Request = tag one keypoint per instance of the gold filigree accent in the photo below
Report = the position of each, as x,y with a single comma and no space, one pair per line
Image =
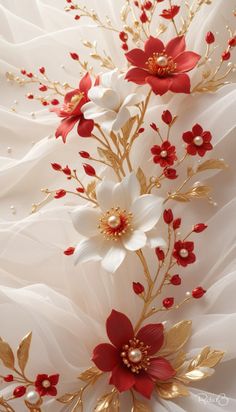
109,402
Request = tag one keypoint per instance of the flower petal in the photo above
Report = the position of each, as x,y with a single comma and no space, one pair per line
135,241
65,127
180,83
125,192
104,195
85,220
88,249
153,336
53,379
105,357
122,117
137,57
153,45
186,61
188,137
146,211
119,329
85,83
144,385
122,378
137,76
176,46
52,391
85,127
113,257
154,239
197,130
158,85
161,369
102,97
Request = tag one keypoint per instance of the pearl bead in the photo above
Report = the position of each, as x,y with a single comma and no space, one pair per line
164,153
113,221
46,384
198,140
188,294
162,61
9,149
183,253
32,397
135,355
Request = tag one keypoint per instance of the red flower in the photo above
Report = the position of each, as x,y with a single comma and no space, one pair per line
198,141
71,111
165,154
170,173
163,68
170,13
130,358
46,385
183,253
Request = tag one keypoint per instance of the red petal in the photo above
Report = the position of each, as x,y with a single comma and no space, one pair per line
159,86
85,84
155,150
191,149
201,151
176,46
52,391
152,335
105,357
119,329
85,127
161,369
153,45
207,146
188,137
53,379
186,61
40,378
165,145
206,136
144,385
122,378
137,57
65,127
188,245
197,130
180,84
137,76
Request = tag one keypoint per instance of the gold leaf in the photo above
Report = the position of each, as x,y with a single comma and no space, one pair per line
140,407
6,355
178,362
67,397
199,358
212,164
78,406
179,197
23,351
213,358
190,172
90,375
172,390
198,374
177,336
108,403
91,189
142,180
126,129
199,192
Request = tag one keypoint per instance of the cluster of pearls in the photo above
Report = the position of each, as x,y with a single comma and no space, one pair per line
135,355
115,223
160,64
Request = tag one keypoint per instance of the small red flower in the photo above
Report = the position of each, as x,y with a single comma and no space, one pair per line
66,170
89,170
168,302
198,292
175,280
71,111
170,173
138,288
154,127
210,38
131,357
165,154
46,385
167,117
176,223
56,166
198,141
199,227
169,14
162,67
183,253
160,254
168,216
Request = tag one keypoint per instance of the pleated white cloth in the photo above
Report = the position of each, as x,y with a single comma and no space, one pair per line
41,291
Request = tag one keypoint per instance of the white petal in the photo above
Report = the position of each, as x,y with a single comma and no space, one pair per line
86,220
104,195
136,240
87,250
106,98
114,257
133,99
154,239
125,192
109,79
122,117
92,111
146,211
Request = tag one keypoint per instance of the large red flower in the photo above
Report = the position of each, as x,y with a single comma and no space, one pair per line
183,253
163,68
198,141
71,111
130,358
165,154
46,385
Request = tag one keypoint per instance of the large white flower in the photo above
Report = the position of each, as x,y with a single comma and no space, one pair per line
125,221
113,102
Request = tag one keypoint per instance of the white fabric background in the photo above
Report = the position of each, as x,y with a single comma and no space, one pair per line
66,306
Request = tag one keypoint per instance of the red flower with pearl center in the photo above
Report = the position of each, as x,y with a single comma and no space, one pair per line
130,356
165,154
46,385
162,67
183,253
198,141
71,111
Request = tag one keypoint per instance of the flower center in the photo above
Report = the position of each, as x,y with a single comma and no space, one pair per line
160,64
135,355
164,153
183,253
115,223
46,384
198,140
75,100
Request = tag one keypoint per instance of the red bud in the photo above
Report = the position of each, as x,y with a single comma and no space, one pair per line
232,42
138,288
69,251
56,166
176,223
200,227
89,170
170,173
77,17
160,254
167,117
175,280
148,5
74,56
8,378
42,70
55,102
125,46
19,391
168,302
168,216
198,292
144,17
43,88
154,127
60,193
30,96
141,130
67,171
85,155
23,71
80,189
123,36
210,38
226,55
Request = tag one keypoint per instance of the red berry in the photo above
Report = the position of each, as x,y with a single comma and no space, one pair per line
138,288
125,46
56,166
60,193
85,155
55,102
154,127
77,17
80,189
199,227
43,88
30,96
167,117
160,254
89,170
144,17
30,75
198,292
168,302
210,38
123,36
19,391
232,42
170,173
148,5
8,378
23,72
67,171
74,56
42,70
141,130
72,7
45,103
226,55
175,280
69,251
168,216
176,223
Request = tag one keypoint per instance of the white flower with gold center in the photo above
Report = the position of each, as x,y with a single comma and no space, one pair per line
124,221
113,102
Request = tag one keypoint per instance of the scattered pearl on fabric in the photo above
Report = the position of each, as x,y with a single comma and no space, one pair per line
32,397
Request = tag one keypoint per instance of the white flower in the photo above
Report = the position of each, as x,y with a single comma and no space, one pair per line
112,102
124,221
